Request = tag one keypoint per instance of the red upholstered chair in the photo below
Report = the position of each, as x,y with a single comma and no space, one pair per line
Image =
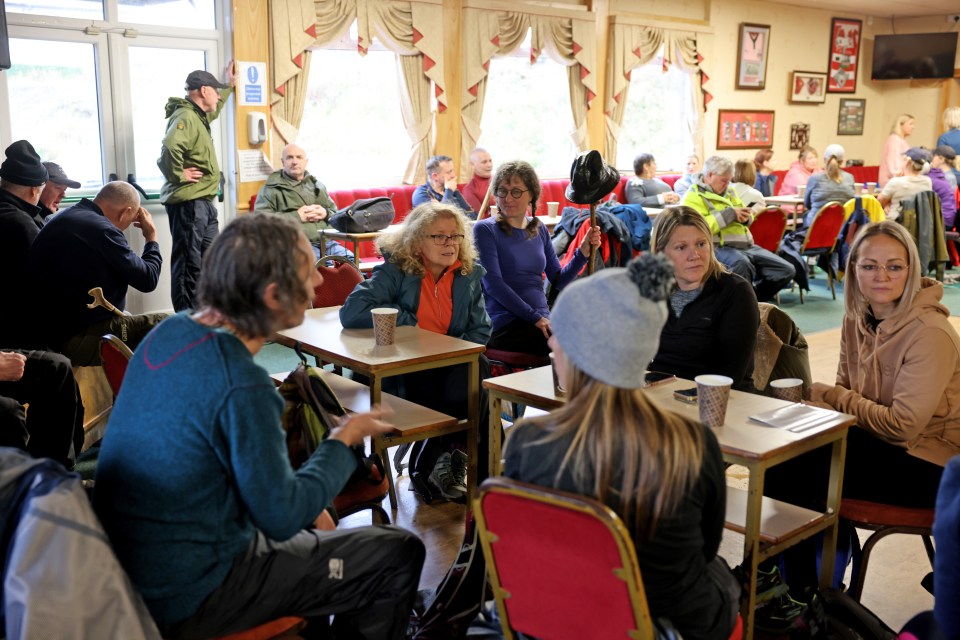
115,356
338,281
360,495
542,546
884,520
768,228
273,630
822,238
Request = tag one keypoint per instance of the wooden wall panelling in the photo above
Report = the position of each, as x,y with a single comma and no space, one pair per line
251,43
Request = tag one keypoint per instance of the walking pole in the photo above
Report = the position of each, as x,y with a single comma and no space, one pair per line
484,211
593,248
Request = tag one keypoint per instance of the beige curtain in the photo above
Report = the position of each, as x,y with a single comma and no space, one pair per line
487,33
634,45
412,30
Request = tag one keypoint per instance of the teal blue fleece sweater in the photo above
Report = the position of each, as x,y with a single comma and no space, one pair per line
194,461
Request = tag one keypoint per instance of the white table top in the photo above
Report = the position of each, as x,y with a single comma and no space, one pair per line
321,333
791,200
739,436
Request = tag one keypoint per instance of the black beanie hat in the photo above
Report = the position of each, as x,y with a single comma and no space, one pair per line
23,165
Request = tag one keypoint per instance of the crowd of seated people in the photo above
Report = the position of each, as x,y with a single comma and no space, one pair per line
238,519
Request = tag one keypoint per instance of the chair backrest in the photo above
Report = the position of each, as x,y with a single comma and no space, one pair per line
338,281
115,356
825,229
542,546
768,228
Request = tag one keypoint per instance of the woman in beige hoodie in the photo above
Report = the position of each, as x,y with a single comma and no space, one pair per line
899,373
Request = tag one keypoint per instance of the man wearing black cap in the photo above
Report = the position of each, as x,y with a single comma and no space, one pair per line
41,379
191,174
22,177
56,187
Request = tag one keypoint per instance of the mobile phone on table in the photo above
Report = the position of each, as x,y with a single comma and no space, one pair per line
686,395
652,378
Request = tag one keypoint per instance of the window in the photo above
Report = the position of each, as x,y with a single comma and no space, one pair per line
655,119
352,128
56,106
58,8
526,113
195,14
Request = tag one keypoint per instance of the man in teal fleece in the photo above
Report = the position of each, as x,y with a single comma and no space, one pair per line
193,483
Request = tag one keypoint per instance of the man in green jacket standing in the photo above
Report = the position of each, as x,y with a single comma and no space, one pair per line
729,221
191,174
295,193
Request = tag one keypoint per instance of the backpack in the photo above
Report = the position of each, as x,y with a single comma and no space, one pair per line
364,216
312,410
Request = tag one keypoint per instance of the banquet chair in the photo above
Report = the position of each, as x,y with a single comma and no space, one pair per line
339,281
821,239
505,362
768,228
115,356
883,520
533,541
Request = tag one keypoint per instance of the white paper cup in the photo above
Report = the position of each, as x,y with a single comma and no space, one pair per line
801,189
384,325
494,210
552,209
790,389
558,389
713,392
858,188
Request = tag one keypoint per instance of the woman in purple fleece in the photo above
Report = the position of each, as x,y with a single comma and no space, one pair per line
516,252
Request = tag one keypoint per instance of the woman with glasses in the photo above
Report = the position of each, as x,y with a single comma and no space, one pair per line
516,251
899,374
431,276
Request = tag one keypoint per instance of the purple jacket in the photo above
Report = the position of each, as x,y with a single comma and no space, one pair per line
948,198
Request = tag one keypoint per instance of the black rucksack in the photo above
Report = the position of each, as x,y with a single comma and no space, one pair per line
364,216
312,410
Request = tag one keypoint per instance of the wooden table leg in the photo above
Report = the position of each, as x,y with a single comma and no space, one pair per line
379,445
495,427
473,429
834,490
751,548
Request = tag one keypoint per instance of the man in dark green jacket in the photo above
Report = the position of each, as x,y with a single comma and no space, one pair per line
191,174
295,193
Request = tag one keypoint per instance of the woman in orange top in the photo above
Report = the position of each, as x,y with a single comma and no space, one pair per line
430,275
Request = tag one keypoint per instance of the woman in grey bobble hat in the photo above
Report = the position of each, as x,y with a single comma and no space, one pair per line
661,473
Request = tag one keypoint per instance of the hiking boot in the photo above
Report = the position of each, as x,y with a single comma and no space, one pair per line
458,463
443,478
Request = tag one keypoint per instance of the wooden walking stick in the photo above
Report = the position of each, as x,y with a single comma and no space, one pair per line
100,301
484,211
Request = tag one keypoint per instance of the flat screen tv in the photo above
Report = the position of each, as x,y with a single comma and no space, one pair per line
914,55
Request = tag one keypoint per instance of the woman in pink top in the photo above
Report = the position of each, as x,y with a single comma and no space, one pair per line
800,171
892,158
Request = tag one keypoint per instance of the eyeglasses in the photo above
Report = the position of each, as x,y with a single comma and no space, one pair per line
892,270
515,193
441,239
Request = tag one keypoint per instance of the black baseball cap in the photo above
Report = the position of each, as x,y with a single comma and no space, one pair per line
945,151
58,175
201,78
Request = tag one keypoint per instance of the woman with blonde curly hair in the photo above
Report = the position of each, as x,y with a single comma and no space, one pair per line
431,276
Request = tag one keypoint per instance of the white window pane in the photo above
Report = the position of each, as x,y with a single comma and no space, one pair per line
86,9
526,114
195,14
156,75
352,129
53,89
655,118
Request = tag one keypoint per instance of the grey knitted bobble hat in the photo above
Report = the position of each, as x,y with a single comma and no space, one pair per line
609,324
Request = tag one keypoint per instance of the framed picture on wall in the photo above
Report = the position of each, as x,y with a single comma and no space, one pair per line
752,56
799,135
808,87
738,129
844,55
850,119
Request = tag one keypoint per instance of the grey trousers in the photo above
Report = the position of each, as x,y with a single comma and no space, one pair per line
366,578
83,349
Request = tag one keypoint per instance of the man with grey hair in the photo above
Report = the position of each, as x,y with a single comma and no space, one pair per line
476,190
729,221
209,519
441,186
84,247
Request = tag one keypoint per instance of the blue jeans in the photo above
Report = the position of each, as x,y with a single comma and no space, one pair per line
766,271
332,248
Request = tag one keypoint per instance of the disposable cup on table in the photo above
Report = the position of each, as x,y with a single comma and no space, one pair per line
801,189
552,209
384,325
713,393
558,389
858,188
494,210
790,389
